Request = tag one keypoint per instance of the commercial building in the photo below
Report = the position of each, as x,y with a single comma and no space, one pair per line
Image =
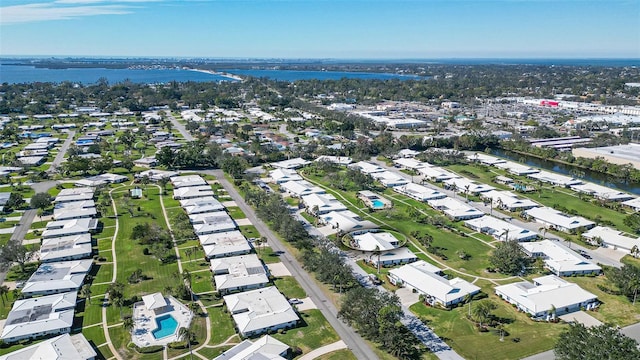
500,229
559,259
426,280
619,154
258,311
557,220
547,296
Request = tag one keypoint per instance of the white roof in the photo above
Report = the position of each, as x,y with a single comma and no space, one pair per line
265,348
68,227
66,247
509,199
192,192
500,229
454,208
517,169
260,309
215,217
612,237
57,277
291,163
559,258
301,188
156,175
63,347
553,178
422,276
370,241
411,163
154,301
72,205
486,159
437,173
634,203
238,271
557,218
552,291
229,242
408,152
205,200
74,194
341,160
347,221
324,202
74,213
199,207
284,175
602,192
388,178
396,255
38,315
473,187
420,192
187,181
366,167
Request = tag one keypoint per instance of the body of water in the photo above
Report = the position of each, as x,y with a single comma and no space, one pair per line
590,176
15,74
293,75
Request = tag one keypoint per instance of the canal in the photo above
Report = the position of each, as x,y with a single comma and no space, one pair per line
585,174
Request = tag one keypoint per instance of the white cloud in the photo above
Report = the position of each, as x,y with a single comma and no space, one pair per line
61,10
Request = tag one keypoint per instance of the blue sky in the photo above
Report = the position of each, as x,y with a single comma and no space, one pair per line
322,28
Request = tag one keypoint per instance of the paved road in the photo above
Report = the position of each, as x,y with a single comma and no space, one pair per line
422,332
532,226
185,134
63,150
354,342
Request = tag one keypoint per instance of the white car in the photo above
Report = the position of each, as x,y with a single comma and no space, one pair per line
295,301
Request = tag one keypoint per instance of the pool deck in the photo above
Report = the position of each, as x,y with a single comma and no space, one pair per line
145,322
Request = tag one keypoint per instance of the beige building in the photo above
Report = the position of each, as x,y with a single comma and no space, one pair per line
620,154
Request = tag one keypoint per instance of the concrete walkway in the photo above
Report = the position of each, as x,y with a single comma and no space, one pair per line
338,345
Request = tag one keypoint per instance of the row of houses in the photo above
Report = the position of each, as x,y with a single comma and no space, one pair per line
239,275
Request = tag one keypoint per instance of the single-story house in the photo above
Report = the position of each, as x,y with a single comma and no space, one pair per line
65,346
366,167
319,204
300,188
372,241
280,176
516,168
66,248
238,273
633,203
389,179
258,311
559,259
394,257
466,186
60,228
347,221
500,229
419,192
426,280
554,179
291,163
436,174
485,159
410,163
547,296
57,277
223,244
612,238
266,348
192,192
37,317
188,181
210,223
340,160
558,220
509,201
455,209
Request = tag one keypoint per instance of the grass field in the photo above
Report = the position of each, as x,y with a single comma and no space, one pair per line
314,332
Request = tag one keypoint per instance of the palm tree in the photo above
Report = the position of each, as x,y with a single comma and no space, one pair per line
194,307
189,252
4,290
127,323
185,334
85,292
186,277
467,299
543,230
377,252
119,302
635,251
552,311
482,310
466,192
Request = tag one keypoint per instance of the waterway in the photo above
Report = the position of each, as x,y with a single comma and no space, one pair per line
589,175
294,75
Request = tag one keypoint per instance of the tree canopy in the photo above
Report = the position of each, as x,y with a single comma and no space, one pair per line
41,200
508,258
595,343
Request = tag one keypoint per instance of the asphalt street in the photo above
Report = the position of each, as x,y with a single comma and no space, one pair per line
353,340
63,150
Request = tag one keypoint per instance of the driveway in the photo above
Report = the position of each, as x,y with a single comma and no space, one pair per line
407,296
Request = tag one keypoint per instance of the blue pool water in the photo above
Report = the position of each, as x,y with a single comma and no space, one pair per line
377,204
166,326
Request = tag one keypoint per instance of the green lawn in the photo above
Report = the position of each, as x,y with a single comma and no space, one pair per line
466,340
222,324
343,354
236,213
249,231
290,287
267,254
615,309
314,332
211,353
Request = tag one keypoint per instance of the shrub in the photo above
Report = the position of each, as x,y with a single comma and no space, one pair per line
149,349
178,345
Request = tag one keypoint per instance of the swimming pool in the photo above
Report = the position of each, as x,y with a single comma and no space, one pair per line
166,326
377,204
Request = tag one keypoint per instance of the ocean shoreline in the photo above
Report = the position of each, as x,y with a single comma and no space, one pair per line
223,74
